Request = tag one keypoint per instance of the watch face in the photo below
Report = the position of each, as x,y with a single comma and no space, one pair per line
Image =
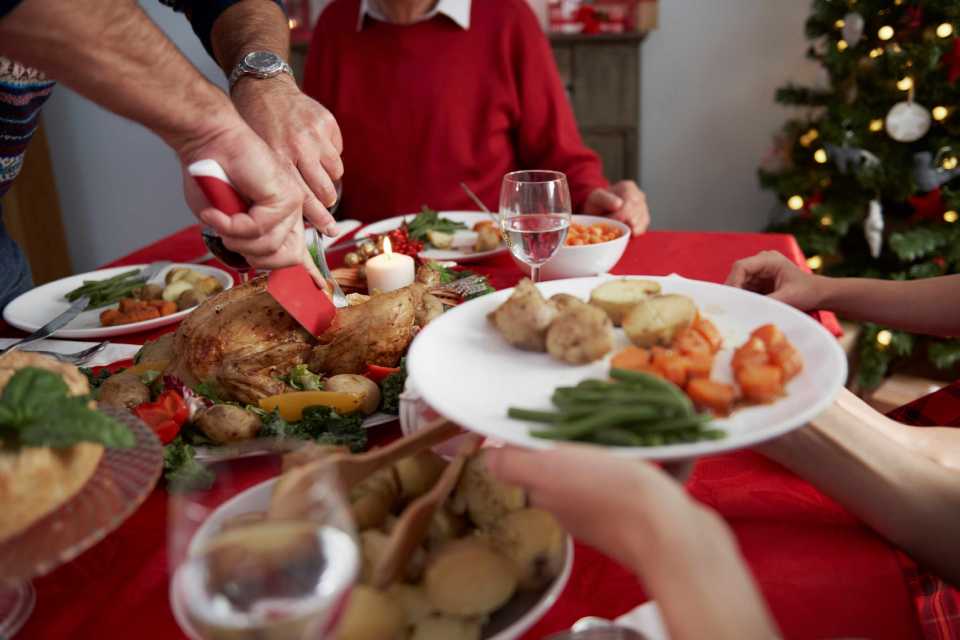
263,62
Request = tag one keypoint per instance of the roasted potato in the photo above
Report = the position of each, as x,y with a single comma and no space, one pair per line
581,333
488,239
533,541
482,497
618,297
177,273
225,423
149,292
524,318
190,298
207,285
468,578
123,391
159,350
446,628
372,615
374,499
362,386
656,320
413,600
418,473
440,239
176,289
429,310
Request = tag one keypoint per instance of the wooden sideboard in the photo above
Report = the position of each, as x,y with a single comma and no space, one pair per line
602,76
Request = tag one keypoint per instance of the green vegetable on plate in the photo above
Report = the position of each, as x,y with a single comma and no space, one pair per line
429,220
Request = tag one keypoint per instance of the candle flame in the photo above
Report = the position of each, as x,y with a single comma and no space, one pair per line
387,248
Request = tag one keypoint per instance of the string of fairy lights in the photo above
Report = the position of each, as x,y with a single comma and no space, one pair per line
939,113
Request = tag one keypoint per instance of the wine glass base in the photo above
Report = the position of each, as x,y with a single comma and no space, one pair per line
16,605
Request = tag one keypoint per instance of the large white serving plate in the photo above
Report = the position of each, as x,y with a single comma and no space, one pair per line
507,623
39,306
468,218
469,374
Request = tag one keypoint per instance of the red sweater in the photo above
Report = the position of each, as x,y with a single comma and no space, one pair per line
423,107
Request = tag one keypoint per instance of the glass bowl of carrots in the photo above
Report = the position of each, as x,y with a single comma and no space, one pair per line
593,246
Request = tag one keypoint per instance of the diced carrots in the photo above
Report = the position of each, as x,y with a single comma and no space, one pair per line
788,359
718,397
578,234
673,365
632,358
134,310
752,353
691,342
130,304
709,331
770,335
109,317
761,383
699,365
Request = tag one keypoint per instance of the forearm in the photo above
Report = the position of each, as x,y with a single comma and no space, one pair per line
250,25
113,54
930,306
852,456
690,563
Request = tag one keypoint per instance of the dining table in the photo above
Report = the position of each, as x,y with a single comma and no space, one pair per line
822,572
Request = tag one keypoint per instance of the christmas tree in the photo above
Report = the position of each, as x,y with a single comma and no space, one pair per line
868,174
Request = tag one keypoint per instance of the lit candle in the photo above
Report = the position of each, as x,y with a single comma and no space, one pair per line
389,271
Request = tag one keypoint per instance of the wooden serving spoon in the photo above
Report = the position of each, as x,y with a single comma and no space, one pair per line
290,496
413,524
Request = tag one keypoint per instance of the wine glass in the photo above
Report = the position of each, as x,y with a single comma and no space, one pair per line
277,559
231,259
534,215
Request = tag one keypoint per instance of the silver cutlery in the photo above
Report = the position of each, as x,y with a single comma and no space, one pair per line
339,299
477,201
468,286
593,628
78,357
201,259
75,308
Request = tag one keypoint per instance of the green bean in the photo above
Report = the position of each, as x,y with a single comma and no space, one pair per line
617,437
651,380
616,416
532,415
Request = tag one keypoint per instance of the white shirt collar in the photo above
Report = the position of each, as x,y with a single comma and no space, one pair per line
456,10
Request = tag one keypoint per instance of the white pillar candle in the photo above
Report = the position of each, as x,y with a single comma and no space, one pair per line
389,271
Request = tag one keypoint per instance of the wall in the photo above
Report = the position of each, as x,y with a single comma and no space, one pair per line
709,73
708,77
120,186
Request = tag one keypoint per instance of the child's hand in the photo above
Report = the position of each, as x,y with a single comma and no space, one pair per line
772,274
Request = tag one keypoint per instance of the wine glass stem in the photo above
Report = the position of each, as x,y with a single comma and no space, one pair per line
535,273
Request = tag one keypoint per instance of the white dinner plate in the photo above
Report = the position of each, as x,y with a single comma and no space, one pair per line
509,622
468,218
42,304
468,373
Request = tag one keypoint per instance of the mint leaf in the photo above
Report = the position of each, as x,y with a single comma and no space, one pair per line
69,421
31,390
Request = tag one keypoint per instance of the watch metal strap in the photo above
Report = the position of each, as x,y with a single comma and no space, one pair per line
242,70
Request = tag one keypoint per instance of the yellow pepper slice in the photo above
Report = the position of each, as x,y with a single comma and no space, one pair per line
292,404
143,367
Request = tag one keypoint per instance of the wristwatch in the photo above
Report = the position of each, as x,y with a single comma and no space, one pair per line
260,64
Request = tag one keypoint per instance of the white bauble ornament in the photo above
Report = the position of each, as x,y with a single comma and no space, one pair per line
852,28
908,121
873,228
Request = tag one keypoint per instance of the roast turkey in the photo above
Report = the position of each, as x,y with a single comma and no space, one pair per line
242,343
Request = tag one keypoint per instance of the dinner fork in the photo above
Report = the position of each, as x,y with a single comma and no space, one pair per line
468,286
339,299
78,357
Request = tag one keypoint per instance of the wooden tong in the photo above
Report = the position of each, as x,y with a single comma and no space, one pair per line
291,495
413,524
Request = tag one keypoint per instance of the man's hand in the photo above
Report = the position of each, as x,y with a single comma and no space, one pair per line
270,235
302,131
624,202
772,274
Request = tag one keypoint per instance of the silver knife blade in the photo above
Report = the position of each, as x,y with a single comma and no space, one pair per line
153,269
47,330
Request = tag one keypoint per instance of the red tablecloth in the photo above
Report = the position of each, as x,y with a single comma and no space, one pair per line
822,573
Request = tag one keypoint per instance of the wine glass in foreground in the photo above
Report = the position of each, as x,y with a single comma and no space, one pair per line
534,215
276,560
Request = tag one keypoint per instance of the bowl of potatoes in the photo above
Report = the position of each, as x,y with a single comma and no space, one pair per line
593,258
489,567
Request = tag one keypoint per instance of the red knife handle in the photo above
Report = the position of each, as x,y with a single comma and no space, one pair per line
213,181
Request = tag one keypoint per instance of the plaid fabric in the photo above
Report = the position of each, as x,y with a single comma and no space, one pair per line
937,603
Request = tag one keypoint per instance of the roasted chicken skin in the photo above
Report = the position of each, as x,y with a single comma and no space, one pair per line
243,343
